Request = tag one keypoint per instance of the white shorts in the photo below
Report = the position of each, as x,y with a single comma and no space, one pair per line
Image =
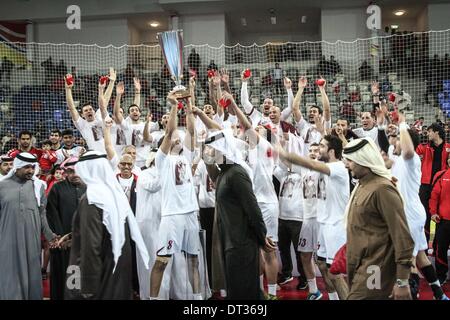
270,213
331,238
418,235
179,232
308,236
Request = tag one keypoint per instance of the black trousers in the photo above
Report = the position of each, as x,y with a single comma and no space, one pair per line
289,232
442,243
207,223
59,261
425,195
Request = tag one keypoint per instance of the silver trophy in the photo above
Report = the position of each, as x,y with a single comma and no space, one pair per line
171,43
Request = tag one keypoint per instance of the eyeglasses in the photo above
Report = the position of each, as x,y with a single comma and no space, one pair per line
126,164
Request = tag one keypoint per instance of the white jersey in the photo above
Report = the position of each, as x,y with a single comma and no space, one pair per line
126,185
118,137
313,201
408,172
206,188
335,190
309,133
372,133
63,153
135,136
92,132
177,184
291,198
262,163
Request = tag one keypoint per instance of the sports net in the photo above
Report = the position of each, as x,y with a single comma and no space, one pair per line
32,76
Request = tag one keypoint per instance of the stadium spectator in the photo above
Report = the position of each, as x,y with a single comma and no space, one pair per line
212,66
6,164
6,69
365,71
440,214
277,76
55,139
434,157
194,62
347,111
48,158
334,66
25,145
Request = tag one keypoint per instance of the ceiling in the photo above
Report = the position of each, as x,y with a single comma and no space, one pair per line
142,21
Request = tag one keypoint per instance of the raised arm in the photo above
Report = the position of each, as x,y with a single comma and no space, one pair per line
112,80
110,151
209,124
225,80
101,101
171,124
302,161
70,103
248,107
189,140
212,94
285,114
302,82
120,90
192,89
406,142
137,92
218,94
325,101
147,135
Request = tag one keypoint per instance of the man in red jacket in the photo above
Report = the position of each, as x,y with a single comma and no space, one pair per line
440,213
25,145
434,158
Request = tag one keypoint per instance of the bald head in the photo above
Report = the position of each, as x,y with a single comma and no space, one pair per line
275,114
126,164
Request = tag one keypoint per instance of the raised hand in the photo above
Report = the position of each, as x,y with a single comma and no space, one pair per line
243,78
149,117
302,82
287,83
224,76
108,122
120,88
192,82
68,81
112,74
137,84
375,87
172,98
216,79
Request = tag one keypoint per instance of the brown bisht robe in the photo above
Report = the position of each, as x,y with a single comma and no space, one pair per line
91,258
377,237
241,230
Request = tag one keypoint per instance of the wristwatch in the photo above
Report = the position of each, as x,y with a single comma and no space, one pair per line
401,283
